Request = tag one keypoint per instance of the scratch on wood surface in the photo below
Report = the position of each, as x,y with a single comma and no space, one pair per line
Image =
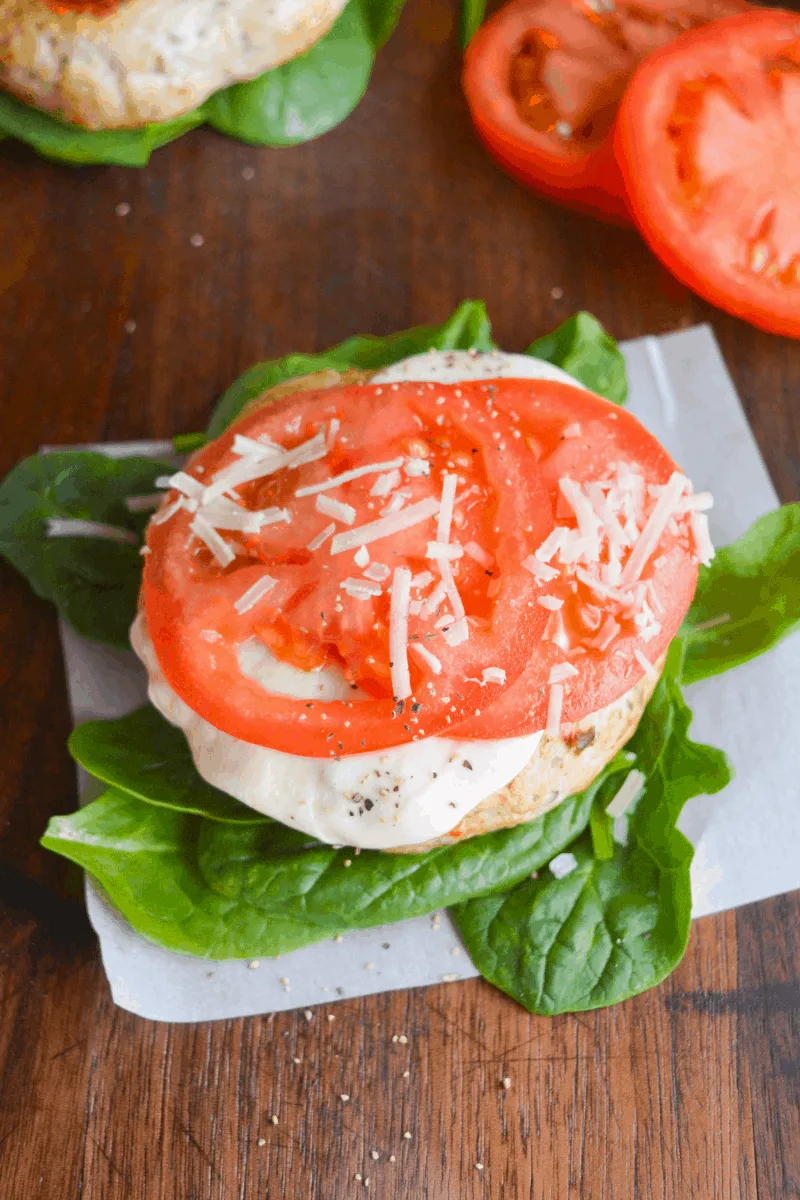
122,1174
194,1142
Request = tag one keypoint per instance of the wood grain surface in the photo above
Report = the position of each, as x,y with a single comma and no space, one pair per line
120,327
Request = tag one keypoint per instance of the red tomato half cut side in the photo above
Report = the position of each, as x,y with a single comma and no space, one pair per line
323,608
605,452
709,143
543,80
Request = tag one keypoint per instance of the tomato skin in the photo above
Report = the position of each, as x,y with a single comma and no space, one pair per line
609,433
574,59
591,183
685,240
190,602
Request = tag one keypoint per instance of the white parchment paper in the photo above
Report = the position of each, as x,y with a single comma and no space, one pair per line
747,837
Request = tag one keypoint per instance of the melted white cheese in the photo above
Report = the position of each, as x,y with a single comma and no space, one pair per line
397,797
388,798
460,366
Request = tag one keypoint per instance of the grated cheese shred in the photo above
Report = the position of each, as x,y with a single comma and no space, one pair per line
398,633
336,509
347,477
374,531
257,592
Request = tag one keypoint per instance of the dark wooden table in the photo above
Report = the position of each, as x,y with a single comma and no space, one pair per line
690,1091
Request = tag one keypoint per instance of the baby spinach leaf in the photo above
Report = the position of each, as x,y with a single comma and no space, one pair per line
755,584
467,329
56,140
617,925
582,347
145,756
471,15
93,581
187,443
231,890
381,17
305,97
606,931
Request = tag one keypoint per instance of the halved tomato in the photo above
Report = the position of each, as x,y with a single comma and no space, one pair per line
323,601
581,438
543,80
709,144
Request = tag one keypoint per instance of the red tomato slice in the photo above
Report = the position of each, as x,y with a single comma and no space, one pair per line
579,436
543,80
709,144
89,8
309,619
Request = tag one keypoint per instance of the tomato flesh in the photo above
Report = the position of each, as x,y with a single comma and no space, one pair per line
544,79
309,619
709,143
599,435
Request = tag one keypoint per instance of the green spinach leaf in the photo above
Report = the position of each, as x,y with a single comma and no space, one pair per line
755,584
471,15
467,329
303,98
231,890
72,144
381,17
614,926
93,581
146,757
582,347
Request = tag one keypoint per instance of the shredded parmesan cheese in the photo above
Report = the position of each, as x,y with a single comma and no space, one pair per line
555,704
645,664
494,675
449,485
334,508
459,631
222,551
255,593
550,602
551,544
347,477
479,555
561,672
657,522
361,588
164,514
398,633
321,537
143,503
190,487
608,631
379,572
361,557
447,550
702,539
417,466
539,570
624,798
58,527
415,514
425,655
385,484
258,466
563,864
